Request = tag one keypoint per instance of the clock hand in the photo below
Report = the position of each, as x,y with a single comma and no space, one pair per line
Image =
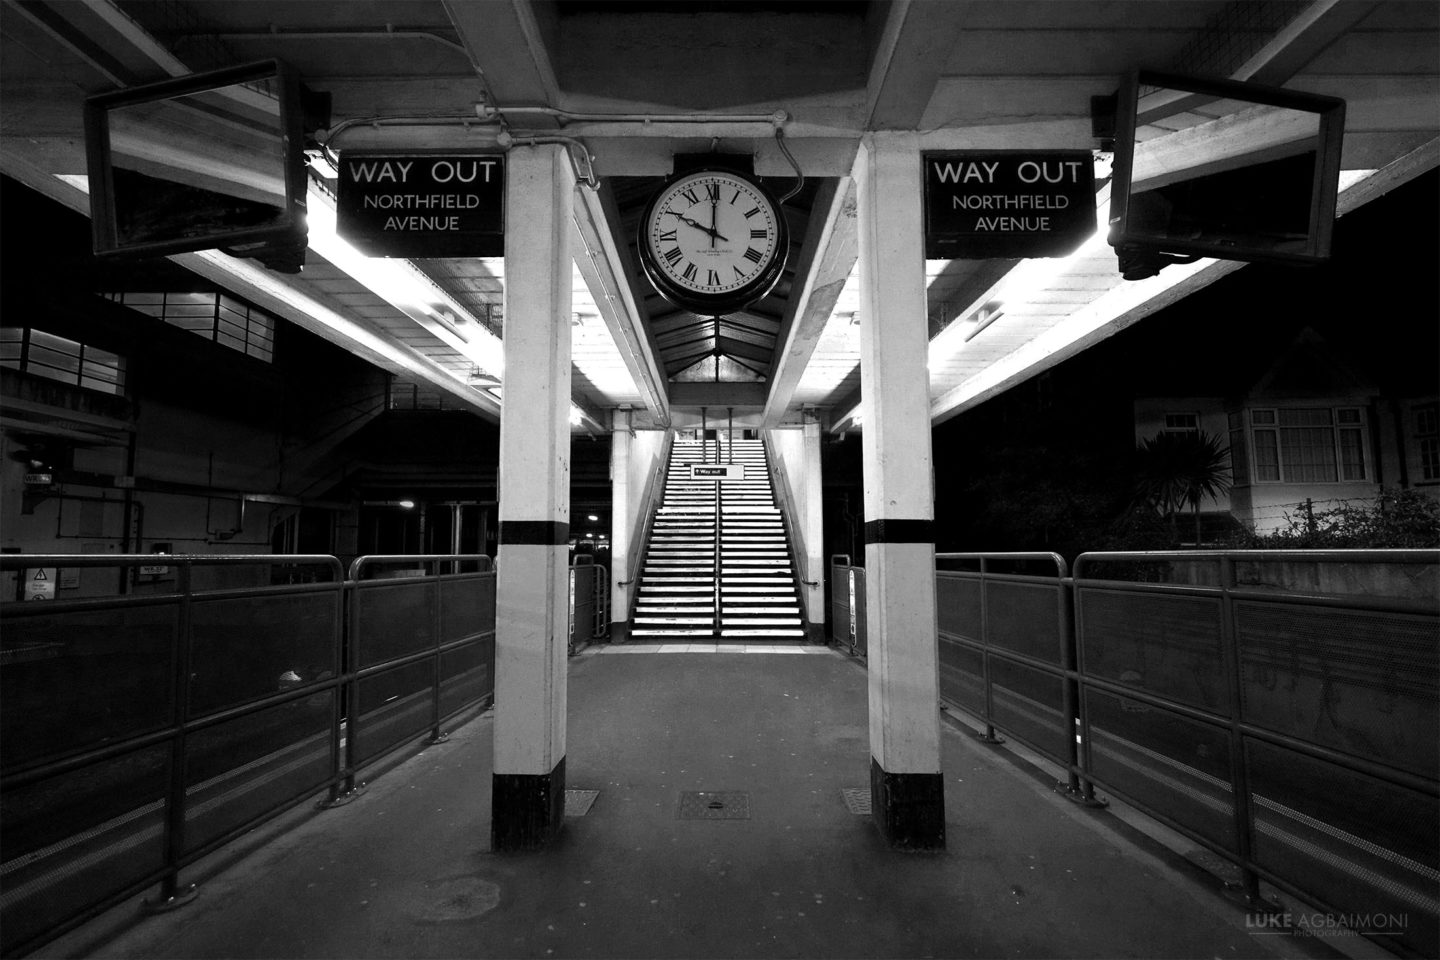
698,226
714,216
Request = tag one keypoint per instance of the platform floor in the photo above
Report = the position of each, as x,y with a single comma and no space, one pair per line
406,870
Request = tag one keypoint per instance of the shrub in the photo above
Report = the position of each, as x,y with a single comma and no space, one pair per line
1395,519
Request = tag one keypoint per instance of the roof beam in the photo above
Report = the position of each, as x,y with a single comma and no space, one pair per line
600,263
915,41
506,47
833,246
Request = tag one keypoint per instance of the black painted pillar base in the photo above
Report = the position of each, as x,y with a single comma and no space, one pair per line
909,808
526,810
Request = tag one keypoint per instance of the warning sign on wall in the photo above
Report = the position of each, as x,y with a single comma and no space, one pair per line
40,583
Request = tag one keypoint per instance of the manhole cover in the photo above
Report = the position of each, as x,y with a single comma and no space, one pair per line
857,799
578,802
713,805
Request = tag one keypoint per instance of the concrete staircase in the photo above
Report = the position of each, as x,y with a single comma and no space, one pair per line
718,565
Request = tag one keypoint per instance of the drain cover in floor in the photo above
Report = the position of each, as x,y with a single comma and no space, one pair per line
857,799
578,802
713,805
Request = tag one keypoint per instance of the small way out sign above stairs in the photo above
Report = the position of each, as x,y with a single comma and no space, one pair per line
718,565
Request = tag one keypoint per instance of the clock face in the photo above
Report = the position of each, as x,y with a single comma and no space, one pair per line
713,239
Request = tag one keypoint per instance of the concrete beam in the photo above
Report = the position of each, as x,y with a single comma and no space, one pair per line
829,256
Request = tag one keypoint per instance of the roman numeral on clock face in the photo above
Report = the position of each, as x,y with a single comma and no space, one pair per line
754,235
689,272
753,255
712,279
672,256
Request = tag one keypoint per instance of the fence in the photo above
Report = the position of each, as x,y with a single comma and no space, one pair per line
589,601
142,732
1279,708
847,604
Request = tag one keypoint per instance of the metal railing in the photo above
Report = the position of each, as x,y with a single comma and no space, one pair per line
1007,650
421,647
1280,715
142,732
847,604
589,601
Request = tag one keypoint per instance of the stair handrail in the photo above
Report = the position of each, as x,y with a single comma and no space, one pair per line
654,494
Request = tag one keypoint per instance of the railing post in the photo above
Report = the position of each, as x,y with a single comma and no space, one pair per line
1239,776
436,618
171,895
718,580
338,670
1078,787
345,789
990,735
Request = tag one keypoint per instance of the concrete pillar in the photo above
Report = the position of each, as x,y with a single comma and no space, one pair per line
906,789
812,521
622,524
532,586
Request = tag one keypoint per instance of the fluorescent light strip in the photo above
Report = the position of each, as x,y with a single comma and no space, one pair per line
404,287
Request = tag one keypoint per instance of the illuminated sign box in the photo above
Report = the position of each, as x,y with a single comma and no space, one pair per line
983,204
422,205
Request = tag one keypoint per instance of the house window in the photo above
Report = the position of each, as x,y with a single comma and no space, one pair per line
1427,435
213,316
1239,457
1185,424
1308,444
56,358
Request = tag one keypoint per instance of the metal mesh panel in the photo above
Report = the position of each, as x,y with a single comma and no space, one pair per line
582,597
79,837
861,639
1364,683
1164,762
840,603
961,678
957,605
393,619
1027,702
1363,845
77,678
239,769
1025,618
249,647
1167,645
462,606
394,706
467,674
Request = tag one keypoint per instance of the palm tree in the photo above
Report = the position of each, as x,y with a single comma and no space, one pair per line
1173,470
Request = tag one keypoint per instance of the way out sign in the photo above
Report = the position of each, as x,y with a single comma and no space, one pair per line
422,205
999,203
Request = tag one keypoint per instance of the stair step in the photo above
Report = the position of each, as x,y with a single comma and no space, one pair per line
776,632
750,598
678,632
793,610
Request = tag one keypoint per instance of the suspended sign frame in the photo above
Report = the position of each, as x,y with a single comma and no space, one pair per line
982,204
